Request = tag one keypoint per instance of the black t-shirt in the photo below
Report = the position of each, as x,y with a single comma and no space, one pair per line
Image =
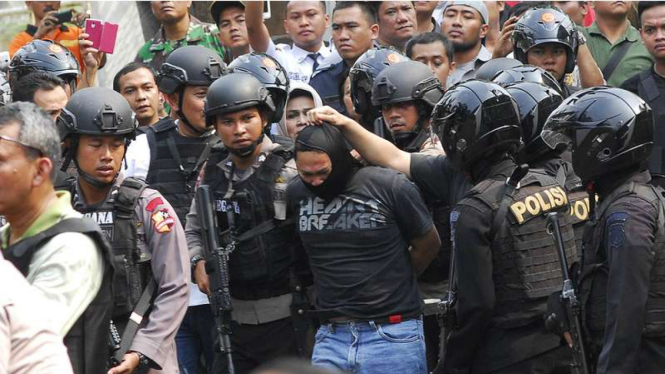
435,176
357,244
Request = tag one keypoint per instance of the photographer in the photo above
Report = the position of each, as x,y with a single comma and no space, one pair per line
48,26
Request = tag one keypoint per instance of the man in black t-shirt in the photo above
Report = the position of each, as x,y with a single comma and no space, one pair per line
356,225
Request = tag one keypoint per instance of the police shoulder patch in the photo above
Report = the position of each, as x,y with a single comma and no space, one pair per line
616,229
162,221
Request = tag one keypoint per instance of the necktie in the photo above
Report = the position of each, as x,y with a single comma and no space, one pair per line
314,57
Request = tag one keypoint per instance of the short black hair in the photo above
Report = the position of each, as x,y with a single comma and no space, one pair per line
132,66
519,8
645,5
429,38
321,3
25,88
366,8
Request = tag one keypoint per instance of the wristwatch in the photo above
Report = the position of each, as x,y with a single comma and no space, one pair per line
192,262
144,362
195,260
581,39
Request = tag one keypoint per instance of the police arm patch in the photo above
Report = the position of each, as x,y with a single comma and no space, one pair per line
154,203
162,221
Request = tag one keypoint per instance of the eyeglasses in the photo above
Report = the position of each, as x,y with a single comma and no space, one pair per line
7,138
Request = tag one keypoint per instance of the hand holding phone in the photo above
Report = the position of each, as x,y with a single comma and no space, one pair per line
102,35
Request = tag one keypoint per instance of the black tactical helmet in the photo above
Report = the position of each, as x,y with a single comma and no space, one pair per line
271,74
535,102
476,119
527,73
95,111
545,25
495,66
407,81
191,65
362,75
47,56
247,92
607,128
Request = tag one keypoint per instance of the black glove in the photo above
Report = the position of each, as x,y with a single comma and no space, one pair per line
556,319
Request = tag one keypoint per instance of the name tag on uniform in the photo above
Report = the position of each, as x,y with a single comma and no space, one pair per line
538,203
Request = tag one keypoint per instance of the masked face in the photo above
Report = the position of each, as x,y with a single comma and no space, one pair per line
323,161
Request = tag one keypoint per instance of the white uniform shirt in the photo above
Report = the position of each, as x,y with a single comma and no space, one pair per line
296,62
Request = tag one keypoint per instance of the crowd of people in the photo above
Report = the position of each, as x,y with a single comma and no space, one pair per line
405,198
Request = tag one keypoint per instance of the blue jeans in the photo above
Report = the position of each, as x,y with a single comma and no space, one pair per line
196,336
371,348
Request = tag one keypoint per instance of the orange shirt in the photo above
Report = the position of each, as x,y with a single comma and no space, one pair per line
68,39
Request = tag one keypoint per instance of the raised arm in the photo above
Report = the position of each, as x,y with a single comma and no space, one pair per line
259,36
590,74
373,149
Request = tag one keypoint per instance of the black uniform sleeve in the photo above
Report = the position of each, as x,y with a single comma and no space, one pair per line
628,240
413,217
433,175
476,298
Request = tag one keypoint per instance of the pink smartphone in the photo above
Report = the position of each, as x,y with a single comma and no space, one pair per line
109,36
94,28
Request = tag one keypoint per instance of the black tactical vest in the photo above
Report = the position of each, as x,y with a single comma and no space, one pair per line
593,281
175,161
525,263
577,195
117,219
259,267
87,340
648,91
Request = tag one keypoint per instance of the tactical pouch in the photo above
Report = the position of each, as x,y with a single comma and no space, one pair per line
132,263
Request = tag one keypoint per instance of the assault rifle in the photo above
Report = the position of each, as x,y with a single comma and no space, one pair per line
217,260
114,344
447,317
569,300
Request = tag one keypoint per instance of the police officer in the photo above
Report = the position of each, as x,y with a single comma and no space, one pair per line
498,233
148,241
249,176
169,157
542,34
531,31
611,133
536,102
48,56
361,78
405,94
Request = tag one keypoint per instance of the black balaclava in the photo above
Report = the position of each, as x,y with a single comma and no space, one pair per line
329,140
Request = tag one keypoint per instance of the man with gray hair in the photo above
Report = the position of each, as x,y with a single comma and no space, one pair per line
465,24
60,253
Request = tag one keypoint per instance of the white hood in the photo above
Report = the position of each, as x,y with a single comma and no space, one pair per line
294,86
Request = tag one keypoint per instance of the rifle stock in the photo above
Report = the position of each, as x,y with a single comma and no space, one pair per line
569,300
217,258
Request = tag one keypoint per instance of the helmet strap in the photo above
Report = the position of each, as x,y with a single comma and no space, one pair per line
247,151
183,117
